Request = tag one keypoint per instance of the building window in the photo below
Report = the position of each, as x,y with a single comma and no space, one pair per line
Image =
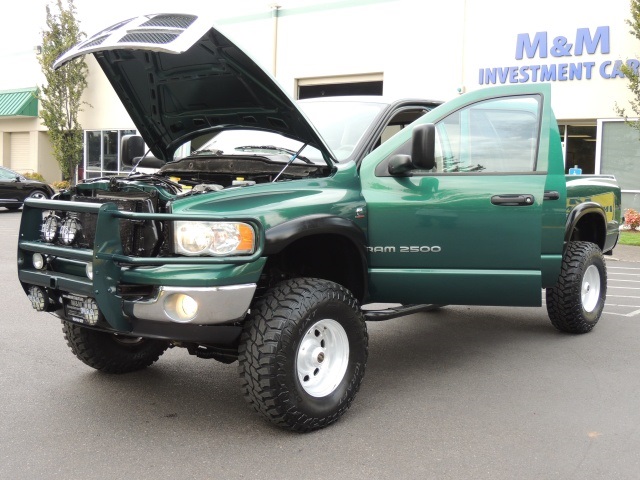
620,156
579,147
102,153
337,86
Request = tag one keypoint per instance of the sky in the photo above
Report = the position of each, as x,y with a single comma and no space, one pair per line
24,21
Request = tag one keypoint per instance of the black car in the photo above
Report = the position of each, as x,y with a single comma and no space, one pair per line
14,188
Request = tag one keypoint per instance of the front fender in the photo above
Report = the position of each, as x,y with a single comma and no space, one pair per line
280,236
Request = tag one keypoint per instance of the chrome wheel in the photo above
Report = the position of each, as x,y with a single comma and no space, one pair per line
38,195
322,358
590,288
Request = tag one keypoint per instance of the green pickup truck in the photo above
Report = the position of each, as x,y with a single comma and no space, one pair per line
270,222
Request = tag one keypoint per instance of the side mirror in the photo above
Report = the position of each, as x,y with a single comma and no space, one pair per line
132,149
132,146
423,143
400,164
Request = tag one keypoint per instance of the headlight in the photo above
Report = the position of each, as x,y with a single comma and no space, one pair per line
213,238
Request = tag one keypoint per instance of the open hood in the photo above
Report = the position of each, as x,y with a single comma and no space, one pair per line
179,77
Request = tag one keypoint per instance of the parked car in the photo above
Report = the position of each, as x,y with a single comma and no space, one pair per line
14,188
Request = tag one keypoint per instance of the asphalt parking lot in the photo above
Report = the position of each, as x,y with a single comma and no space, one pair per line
459,393
623,292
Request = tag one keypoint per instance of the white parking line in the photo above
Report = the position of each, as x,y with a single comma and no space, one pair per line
632,314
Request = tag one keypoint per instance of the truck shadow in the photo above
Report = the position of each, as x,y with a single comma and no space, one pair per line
430,350
457,344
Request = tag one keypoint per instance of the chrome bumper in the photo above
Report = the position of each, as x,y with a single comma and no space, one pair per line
216,305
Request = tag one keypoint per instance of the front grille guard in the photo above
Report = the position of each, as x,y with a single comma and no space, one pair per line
107,255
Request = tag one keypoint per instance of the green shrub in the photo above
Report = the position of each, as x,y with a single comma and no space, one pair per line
34,176
62,185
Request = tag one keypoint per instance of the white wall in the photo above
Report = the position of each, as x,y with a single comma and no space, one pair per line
422,48
103,109
490,41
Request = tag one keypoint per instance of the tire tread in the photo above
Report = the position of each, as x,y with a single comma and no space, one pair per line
269,327
563,300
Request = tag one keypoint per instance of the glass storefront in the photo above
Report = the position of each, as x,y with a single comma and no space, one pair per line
102,153
620,156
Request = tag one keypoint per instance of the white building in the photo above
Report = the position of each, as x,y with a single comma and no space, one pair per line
405,48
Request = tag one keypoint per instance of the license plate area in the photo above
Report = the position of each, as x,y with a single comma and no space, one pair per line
80,309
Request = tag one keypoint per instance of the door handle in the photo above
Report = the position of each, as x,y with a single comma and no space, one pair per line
551,195
513,200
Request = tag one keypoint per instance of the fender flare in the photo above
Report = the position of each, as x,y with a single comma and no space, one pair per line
578,213
280,236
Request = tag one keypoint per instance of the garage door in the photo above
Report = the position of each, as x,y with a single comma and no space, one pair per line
20,160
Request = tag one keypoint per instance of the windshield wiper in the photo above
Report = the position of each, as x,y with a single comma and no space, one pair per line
207,150
277,149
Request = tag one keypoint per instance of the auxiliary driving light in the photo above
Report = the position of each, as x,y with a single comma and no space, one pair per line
38,261
69,230
180,307
50,228
90,311
39,298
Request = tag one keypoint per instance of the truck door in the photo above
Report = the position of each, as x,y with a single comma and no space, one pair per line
470,231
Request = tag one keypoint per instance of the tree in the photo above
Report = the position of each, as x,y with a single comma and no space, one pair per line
632,76
60,97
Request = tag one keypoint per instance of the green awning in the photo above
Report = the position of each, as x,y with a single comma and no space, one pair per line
19,103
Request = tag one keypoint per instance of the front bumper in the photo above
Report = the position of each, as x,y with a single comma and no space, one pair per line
220,289
214,305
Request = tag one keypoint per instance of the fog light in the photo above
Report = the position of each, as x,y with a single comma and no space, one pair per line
38,298
50,228
69,230
89,271
38,261
180,307
90,311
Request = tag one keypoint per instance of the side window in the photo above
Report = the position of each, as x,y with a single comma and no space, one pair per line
497,135
399,121
7,175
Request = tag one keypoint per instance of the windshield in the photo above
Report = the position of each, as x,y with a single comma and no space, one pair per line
341,123
257,142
